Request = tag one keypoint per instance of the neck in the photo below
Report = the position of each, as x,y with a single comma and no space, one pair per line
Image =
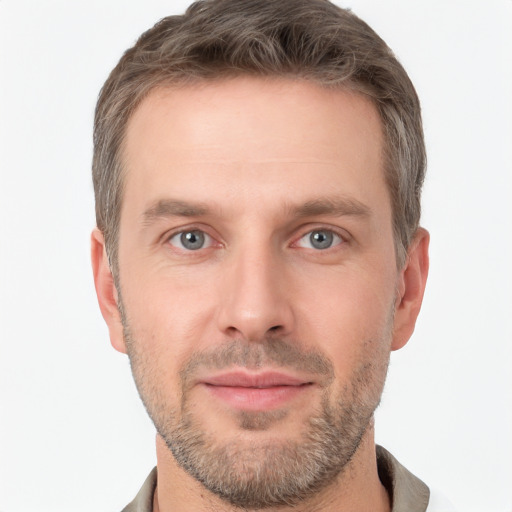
356,489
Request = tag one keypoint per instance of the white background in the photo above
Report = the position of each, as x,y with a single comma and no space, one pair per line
74,436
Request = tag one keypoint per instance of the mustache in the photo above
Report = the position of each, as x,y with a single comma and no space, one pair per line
253,355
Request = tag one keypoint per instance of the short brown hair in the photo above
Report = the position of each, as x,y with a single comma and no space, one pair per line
305,39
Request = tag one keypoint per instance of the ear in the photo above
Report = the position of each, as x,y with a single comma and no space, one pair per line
410,288
106,290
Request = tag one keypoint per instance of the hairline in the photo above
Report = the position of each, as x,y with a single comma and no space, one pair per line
169,83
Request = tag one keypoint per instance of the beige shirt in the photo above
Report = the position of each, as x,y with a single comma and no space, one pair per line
408,493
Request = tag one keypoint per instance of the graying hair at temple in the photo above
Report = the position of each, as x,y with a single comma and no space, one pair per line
310,40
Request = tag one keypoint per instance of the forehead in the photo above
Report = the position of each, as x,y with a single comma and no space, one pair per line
252,137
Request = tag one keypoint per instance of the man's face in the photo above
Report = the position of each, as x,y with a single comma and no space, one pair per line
258,279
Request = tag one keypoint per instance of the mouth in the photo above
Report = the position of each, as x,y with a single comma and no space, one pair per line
255,391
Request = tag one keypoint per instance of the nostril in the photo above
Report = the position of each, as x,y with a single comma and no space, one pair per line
275,328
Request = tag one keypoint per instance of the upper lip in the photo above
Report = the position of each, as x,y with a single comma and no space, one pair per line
244,379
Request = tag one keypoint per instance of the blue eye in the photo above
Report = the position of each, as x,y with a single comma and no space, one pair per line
320,239
192,240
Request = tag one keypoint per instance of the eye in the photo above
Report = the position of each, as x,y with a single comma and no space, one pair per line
191,240
320,239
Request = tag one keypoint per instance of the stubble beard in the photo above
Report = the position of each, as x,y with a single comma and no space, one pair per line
272,473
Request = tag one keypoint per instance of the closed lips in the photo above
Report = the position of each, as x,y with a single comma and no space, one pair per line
260,380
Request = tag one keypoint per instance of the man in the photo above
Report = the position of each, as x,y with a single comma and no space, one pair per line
257,171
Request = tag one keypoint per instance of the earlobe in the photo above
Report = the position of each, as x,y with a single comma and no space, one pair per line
106,290
410,289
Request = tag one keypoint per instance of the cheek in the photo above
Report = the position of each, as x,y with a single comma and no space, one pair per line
356,337
350,316
168,315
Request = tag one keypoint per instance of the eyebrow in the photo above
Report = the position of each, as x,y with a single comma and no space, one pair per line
173,208
336,206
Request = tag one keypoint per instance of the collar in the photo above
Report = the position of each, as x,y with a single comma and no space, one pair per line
408,493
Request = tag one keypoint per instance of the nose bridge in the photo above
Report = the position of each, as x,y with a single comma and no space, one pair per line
254,298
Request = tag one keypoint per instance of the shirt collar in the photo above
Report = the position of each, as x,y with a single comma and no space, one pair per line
407,492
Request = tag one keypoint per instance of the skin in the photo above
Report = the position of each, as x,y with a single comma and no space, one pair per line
259,157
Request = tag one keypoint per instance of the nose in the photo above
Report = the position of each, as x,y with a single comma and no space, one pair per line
255,295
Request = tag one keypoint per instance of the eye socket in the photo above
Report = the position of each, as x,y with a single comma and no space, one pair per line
320,239
191,240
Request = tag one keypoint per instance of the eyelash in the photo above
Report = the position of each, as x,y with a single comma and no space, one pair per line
338,238
190,231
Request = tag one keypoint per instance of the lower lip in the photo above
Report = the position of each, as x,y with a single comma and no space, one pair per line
256,399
